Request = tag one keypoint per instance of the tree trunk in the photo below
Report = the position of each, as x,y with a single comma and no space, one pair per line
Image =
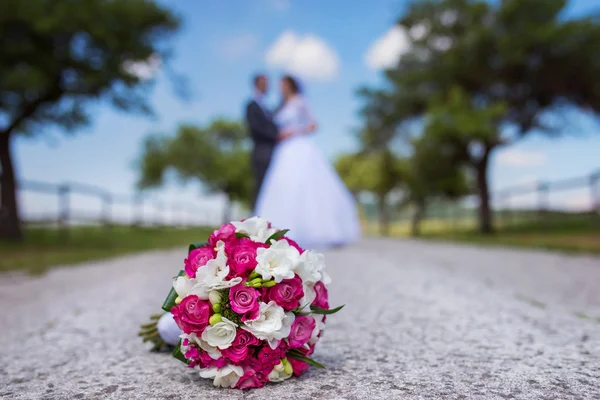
415,229
485,212
10,224
384,217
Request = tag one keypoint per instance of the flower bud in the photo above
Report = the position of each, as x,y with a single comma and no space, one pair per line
215,319
178,300
253,275
287,367
269,284
214,297
216,308
279,367
255,281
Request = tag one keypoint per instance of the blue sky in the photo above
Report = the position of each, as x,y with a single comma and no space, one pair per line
221,45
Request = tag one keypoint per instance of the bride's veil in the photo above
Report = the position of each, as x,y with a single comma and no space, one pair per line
300,87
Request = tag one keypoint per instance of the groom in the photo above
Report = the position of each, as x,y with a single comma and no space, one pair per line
263,131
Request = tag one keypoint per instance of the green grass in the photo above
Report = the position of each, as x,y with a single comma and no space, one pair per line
578,233
44,248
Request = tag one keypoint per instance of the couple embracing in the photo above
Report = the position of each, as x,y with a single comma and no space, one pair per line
296,186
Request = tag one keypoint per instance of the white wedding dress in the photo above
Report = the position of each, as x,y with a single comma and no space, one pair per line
302,191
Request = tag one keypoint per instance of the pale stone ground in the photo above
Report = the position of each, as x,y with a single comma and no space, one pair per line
422,321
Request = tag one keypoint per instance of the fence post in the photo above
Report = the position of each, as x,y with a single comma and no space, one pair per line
159,219
543,194
595,192
138,211
106,208
64,209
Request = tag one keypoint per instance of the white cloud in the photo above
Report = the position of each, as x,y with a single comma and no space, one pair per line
521,158
239,46
144,70
307,56
385,52
281,5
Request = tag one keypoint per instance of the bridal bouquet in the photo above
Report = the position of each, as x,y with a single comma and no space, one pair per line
249,306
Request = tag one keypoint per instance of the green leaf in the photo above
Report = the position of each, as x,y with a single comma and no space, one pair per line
195,246
297,355
277,235
322,311
178,354
241,235
170,300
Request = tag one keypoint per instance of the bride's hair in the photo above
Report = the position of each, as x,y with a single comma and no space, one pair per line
293,82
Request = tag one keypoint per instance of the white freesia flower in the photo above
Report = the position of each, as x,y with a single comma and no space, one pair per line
272,325
228,376
221,334
183,286
257,228
319,326
278,261
309,296
212,351
212,275
278,376
311,267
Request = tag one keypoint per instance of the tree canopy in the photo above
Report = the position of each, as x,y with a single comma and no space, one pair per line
486,75
217,156
56,57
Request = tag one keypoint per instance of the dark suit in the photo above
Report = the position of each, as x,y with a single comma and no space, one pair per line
264,135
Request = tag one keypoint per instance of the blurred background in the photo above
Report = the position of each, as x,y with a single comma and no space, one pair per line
121,121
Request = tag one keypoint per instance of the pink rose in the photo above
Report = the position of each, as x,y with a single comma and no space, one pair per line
244,301
198,258
238,351
299,367
301,331
293,244
224,233
322,299
192,314
241,256
249,380
286,294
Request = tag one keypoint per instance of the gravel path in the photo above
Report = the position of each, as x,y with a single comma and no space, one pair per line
422,321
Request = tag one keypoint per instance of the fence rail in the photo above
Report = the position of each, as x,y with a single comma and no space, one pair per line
142,210
577,197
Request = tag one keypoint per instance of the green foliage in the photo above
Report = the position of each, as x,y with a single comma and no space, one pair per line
480,75
217,155
55,55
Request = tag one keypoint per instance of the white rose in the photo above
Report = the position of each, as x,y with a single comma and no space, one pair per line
221,334
278,261
257,228
272,325
319,326
228,376
183,286
311,266
278,376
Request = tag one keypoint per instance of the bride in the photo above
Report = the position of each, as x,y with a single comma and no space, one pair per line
301,191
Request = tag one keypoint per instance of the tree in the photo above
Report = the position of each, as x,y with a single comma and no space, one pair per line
431,173
517,54
56,56
376,172
216,155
